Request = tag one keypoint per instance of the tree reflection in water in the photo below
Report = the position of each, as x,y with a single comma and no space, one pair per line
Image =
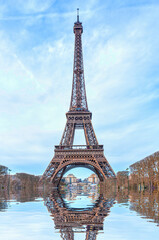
146,204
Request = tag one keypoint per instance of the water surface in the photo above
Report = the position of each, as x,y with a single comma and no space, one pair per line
79,215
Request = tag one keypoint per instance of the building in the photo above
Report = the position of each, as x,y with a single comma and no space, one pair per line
93,179
70,179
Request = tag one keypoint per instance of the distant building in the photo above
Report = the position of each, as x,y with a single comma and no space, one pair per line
79,180
70,179
93,179
85,180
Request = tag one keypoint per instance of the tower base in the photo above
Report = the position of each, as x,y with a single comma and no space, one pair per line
69,157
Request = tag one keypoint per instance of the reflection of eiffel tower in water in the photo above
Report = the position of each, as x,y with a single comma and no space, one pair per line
67,155
73,220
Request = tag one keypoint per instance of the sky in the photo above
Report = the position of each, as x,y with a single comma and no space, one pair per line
120,49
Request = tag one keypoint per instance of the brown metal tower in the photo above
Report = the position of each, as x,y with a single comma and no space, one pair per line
67,155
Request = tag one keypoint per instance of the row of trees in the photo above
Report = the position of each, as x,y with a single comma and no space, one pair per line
18,181
24,181
145,173
3,177
123,179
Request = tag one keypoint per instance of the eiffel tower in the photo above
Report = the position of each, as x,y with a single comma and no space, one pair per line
67,155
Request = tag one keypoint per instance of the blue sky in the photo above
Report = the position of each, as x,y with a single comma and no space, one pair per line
120,47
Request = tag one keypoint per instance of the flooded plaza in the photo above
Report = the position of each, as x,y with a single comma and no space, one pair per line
75,214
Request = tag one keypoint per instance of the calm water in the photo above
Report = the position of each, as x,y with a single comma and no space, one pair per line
79,215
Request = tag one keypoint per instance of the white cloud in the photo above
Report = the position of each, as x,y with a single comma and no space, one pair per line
30,6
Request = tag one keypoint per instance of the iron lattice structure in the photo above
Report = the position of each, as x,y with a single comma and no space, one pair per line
70,220
67,155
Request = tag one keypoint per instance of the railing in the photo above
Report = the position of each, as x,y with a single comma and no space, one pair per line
79,147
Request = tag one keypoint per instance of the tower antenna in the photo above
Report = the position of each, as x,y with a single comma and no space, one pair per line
77,14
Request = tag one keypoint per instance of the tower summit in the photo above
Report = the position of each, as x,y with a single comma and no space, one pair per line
78,98
78,115
91,154
77,14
